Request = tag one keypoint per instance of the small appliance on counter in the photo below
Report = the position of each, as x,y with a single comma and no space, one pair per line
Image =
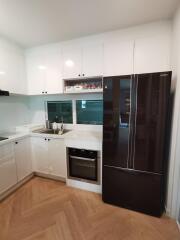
4,93
3,138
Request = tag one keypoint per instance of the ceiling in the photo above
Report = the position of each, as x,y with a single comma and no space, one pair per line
35,22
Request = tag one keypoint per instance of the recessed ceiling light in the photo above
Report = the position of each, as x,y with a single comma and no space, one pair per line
69,63
42,67
2,72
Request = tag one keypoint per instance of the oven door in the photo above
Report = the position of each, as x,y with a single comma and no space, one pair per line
82,167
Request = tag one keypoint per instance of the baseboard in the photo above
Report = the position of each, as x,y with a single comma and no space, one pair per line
15,187
49,176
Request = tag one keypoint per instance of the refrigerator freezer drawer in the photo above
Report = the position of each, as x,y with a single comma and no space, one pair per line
139,191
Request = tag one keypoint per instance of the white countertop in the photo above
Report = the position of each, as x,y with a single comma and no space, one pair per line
84,135
71,136
12,136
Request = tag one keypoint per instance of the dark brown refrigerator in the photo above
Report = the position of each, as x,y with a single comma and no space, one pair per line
135,130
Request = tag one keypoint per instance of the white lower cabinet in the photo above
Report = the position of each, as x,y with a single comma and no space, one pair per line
57,157
49,156
8,175
23,158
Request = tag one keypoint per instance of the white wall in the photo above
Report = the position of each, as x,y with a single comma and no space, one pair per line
174,170
14,110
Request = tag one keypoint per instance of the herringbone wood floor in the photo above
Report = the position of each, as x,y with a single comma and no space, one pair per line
49,210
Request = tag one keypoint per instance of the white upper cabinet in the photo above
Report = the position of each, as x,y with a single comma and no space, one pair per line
12,68
152,54
54,83
92,60
23,158
36,73
44,71
82,61
118,58
72,61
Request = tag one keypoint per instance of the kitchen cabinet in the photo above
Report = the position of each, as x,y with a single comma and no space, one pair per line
12,69
23,158
44,71
72,61
49,156
152,55
118,58
39,154
82,61
57,157
8,176
92,60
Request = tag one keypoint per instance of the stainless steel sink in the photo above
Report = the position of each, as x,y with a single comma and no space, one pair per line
50,131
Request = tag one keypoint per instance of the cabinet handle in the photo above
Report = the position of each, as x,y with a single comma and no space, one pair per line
79,75
83,74
16,142
49,139
42,92
45,92
45,139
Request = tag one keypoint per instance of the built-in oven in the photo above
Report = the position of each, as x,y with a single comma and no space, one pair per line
83,164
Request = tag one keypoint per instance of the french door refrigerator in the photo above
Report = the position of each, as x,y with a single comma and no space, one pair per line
135,136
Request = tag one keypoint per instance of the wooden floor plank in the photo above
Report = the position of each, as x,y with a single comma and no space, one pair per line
49,210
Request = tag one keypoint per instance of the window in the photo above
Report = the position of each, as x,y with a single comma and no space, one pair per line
89,112
58,110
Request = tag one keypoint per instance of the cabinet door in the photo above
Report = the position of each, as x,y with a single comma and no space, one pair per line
57,157
4,71
8,176
118,58
12,69
153,92
92,63
40,154
23,158
16,72
36,72
54,71
152,55
116,126
72,62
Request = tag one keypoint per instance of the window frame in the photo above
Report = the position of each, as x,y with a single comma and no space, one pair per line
55,101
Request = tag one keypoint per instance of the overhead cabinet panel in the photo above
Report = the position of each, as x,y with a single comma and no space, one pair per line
36,72
12,69
152,54
44,71
82,61
72,62
92,60
54,83
118,58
